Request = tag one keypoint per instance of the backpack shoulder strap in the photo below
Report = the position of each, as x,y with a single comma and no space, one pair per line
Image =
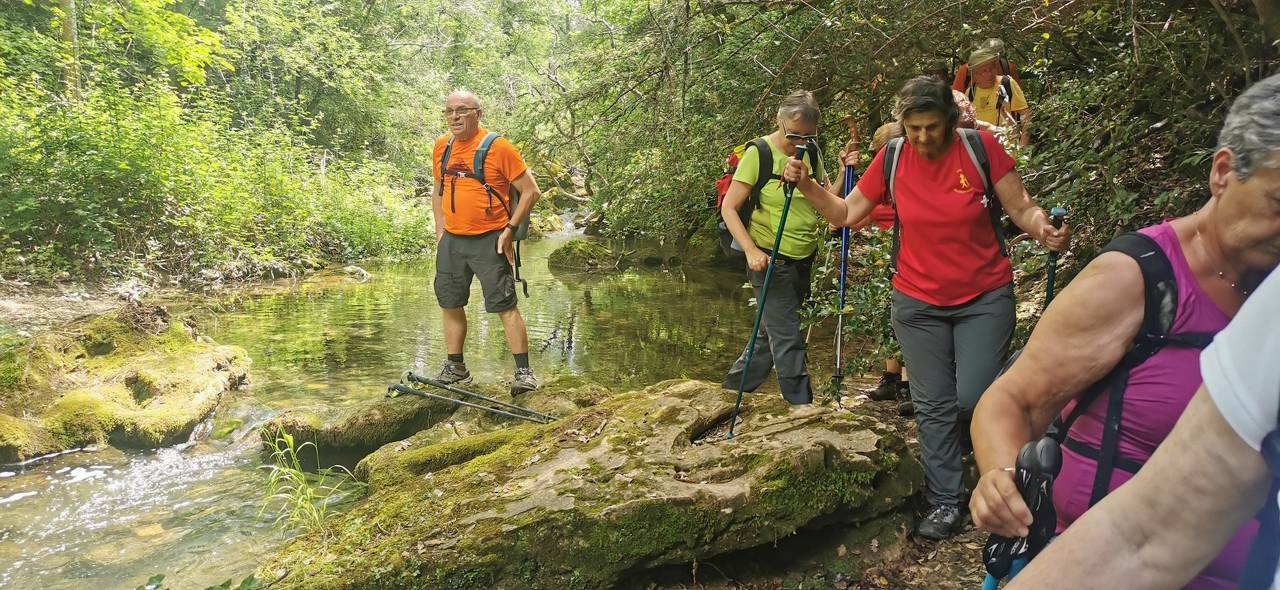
815,156
482,152
1005,98
765,172
892,152
444,157
973,146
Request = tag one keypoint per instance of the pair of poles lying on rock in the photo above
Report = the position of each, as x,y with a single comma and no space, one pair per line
477,401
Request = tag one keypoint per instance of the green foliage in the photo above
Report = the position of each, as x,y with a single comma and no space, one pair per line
300,498
156,582
868,334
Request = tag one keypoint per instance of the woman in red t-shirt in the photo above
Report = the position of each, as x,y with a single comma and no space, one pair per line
952,309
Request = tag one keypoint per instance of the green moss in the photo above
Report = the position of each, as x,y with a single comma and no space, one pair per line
582,254
21,440
86,416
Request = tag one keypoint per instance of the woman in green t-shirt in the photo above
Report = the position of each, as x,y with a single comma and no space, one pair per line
780,343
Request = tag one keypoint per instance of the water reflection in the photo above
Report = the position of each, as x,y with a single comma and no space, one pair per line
109,519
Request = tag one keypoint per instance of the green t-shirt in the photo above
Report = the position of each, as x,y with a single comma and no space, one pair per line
805,225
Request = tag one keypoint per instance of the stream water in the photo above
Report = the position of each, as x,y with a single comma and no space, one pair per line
107,519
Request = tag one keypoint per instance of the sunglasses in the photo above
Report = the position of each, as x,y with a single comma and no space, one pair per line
798,136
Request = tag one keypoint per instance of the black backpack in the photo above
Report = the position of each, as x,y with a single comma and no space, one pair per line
728,245
1160,307
972,143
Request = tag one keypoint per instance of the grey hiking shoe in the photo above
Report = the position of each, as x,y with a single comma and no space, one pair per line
454,373
524,381
941,522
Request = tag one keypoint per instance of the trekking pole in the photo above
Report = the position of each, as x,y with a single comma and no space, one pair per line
1038,464
788,189
838,377
411,377
1056,215
397,389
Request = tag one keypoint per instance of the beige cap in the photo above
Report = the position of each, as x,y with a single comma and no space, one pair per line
980,56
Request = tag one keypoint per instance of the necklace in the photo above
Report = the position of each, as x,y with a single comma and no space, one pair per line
1234,285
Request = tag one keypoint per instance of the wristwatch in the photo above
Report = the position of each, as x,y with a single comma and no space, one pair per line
513,228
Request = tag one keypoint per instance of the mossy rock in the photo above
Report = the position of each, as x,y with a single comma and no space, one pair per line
458,439
133,378
615,488
154,400
20,440
582,254
345,437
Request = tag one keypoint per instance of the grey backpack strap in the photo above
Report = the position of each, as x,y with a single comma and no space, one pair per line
892,153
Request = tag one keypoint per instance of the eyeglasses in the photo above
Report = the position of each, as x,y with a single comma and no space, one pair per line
460,111
798,136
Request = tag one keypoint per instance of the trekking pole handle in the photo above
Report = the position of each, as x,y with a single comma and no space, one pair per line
800,150
1056,216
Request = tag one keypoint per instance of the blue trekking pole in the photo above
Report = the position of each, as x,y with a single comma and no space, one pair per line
838,377
1056,215
788,189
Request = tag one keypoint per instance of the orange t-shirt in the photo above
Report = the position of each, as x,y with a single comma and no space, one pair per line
468,209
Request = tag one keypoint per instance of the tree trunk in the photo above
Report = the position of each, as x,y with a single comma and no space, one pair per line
71,44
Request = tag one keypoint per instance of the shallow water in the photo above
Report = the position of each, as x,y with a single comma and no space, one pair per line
110,519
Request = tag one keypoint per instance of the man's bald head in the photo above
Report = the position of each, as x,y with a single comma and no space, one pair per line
462,113
464,97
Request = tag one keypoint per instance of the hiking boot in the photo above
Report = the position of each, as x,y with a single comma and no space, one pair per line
887,388
454,373
941,522
524,381
906,409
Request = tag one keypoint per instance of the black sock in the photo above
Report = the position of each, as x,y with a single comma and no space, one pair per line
455,358
522,360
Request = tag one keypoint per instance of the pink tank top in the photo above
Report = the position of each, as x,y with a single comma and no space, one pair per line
1157,393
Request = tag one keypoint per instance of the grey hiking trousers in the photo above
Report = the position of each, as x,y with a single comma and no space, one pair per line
780,343
953,353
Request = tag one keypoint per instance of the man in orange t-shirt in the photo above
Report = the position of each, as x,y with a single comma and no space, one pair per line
475,226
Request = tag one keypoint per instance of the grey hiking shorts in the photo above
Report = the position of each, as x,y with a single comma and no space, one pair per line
459,258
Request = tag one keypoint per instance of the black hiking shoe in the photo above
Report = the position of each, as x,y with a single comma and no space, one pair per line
524,381
887,388
941,522
454,373
905,407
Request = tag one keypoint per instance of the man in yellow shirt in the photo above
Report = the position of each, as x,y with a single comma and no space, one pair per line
997,99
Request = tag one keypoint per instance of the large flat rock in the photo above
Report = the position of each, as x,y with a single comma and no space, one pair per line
615,488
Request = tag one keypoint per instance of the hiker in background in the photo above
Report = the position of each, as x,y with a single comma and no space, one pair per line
962,78
997,98
1205,481
1097,355
952,306
475,227
967,117
893,381
780,343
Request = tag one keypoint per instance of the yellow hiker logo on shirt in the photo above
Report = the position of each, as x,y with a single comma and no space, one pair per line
964,182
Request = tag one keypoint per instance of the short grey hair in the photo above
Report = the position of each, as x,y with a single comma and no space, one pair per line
1252,128
802,105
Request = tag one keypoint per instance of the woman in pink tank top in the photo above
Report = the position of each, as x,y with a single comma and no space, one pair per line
1157,392
1085,334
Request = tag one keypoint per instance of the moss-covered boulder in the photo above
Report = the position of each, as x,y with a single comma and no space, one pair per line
346,436
582,254
625,485
133,378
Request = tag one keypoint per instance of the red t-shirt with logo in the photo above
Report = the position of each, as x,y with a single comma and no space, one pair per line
948,253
